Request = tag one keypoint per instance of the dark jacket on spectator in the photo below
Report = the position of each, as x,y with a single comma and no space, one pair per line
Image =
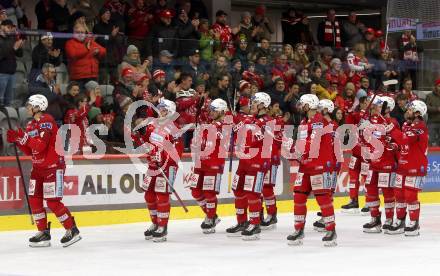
351,34
121,90
114,44
190,38
278,96
44,17
40,56
433,104
8,61
170,42
60,17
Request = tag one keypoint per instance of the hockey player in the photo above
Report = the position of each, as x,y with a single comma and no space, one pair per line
380,174
314,172
326,107
358,167
47,175
248,181
157,190
270,179
205,181
411,169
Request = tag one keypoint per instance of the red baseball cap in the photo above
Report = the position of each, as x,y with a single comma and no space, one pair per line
166,13
370,30
437,82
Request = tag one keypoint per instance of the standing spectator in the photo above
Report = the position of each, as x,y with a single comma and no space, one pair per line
407,90
409,51
133,61
247,31
302,29
83,55
162,5
385,68
329,31
223,32
433,103
113,42
61,14
264,27
166,64
10,48
288,26
372,45
206,43
336,74
163,36
188,33
77,17
242,53
119,10
352,31
44,15
194,67
43,53
262,50
87,7
399,111
140,22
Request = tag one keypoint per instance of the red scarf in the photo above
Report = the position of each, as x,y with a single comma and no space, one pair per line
329,33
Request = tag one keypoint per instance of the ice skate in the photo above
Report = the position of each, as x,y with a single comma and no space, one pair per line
387,225
412,229
296,238
252,232
365,211
374,226
235,231
41,239
270,222
149,233
330,239
397,228
72,236
351,208
208,225
319,225
160,235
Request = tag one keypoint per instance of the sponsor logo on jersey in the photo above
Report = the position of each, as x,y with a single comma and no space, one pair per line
46,125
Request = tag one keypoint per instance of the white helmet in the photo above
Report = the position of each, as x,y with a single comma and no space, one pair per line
419,106
168,105
218,105
262,97
185,93
390,102
377,100
309,99
325,103
39,101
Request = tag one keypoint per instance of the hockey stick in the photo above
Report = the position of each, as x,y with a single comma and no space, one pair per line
17,159
386,84
232,145
173,190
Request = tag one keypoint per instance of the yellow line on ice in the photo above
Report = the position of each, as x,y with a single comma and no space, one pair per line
108,217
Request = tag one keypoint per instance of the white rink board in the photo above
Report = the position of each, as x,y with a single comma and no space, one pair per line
121,250
124,177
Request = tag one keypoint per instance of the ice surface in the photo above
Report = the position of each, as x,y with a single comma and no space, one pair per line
122,250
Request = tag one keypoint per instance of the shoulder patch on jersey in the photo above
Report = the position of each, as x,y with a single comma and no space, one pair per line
46,125
33,133
317,125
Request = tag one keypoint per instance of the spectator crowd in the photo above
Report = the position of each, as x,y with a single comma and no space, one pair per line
148,50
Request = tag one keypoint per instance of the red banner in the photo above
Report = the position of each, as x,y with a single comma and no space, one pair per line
11,189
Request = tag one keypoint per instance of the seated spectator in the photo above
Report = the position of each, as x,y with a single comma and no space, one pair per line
291,99
399,111
194,66
206,43
300,58
352,30
223,33
113,41
329,31
324,59
117,130
264,28
187,105
159,78
303,79
221,90
163,37
188,33
90,11
72,91
253,77
140,22
78,116
133,61
219,68
288,51
244,87
43,53
318,78
263,69
433,103
166,64
282,69
336,74
324,93
407,90
347,101
83,55
236,73
124,88
93,91
385,68
10,48
246,31
339,116
278,92
372,45
263,49
409,51
45,84
242,53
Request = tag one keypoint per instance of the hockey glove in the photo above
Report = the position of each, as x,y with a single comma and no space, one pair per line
17,136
